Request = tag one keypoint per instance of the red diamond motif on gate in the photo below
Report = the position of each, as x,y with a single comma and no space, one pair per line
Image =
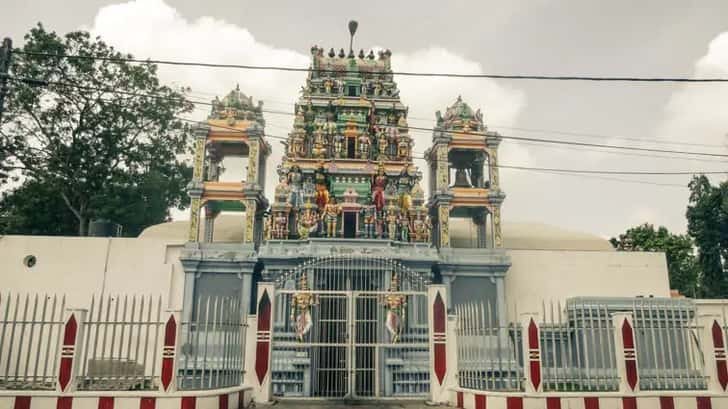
630,362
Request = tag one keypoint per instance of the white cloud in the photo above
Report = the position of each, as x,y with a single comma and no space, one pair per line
154,29
699,112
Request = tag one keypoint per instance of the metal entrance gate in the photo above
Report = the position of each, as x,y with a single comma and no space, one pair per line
351,327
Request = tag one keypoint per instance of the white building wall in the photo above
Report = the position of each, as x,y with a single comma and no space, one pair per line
555,275
79,267
82,267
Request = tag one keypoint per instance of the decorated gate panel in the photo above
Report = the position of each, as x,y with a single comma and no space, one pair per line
351,327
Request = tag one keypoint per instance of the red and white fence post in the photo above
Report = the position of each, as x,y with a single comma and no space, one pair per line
625,352
714,352
264,337
170,342
437,312
531,345
70,361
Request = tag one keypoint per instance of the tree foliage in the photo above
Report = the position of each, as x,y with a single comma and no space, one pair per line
678,249
707,216
103,138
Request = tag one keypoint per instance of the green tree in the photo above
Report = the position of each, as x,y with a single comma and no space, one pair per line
34,208
707,216
102,137
678,249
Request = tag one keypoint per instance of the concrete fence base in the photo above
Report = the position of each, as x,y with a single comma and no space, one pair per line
470,399
230,398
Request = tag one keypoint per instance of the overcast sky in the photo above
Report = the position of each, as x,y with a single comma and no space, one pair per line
645,38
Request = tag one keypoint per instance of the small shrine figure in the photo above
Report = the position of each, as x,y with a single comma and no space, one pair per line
392,222
403,147
322,192
339,145
396,304
382,144
327,86
280,226
319,142
392,138
419,229
295,183
308,222
404,229
364,145
331,216
380,182
267,219
370,218
402,122
301,303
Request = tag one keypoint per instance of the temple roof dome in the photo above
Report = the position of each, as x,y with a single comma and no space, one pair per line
237,99
460,116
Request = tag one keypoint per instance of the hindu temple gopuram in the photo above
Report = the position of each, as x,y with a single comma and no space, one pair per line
359,276
349,214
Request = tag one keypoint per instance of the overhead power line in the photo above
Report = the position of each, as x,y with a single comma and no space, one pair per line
400,73
38,82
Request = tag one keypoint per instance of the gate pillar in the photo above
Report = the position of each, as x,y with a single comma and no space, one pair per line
264,331
437,311
714,352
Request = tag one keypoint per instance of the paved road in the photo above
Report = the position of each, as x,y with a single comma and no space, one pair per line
316,404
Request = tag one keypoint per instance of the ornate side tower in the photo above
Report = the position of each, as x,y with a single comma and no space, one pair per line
464,179
348,170
234,129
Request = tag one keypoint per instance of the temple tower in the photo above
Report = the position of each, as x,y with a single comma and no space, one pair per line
347,171
234,128
464,182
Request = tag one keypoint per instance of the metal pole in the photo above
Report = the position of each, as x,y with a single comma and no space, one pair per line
5,55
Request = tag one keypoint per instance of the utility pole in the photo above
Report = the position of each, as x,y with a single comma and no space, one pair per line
5,54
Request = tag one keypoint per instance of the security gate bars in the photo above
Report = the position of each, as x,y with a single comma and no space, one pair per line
351,327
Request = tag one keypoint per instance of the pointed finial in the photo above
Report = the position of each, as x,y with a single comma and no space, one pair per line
353,25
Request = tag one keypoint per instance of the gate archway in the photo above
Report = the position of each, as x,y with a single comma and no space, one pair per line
350,326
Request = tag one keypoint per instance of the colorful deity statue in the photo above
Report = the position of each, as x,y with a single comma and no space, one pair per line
267,219
331,216
370,220
327,86
402,122
396,304
319,142
404,228
380,183
282,190
403,147
418,227
308,221
295,183
280,225
322,196
405,201
364,145
392,221
301,303
392,138
382,144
